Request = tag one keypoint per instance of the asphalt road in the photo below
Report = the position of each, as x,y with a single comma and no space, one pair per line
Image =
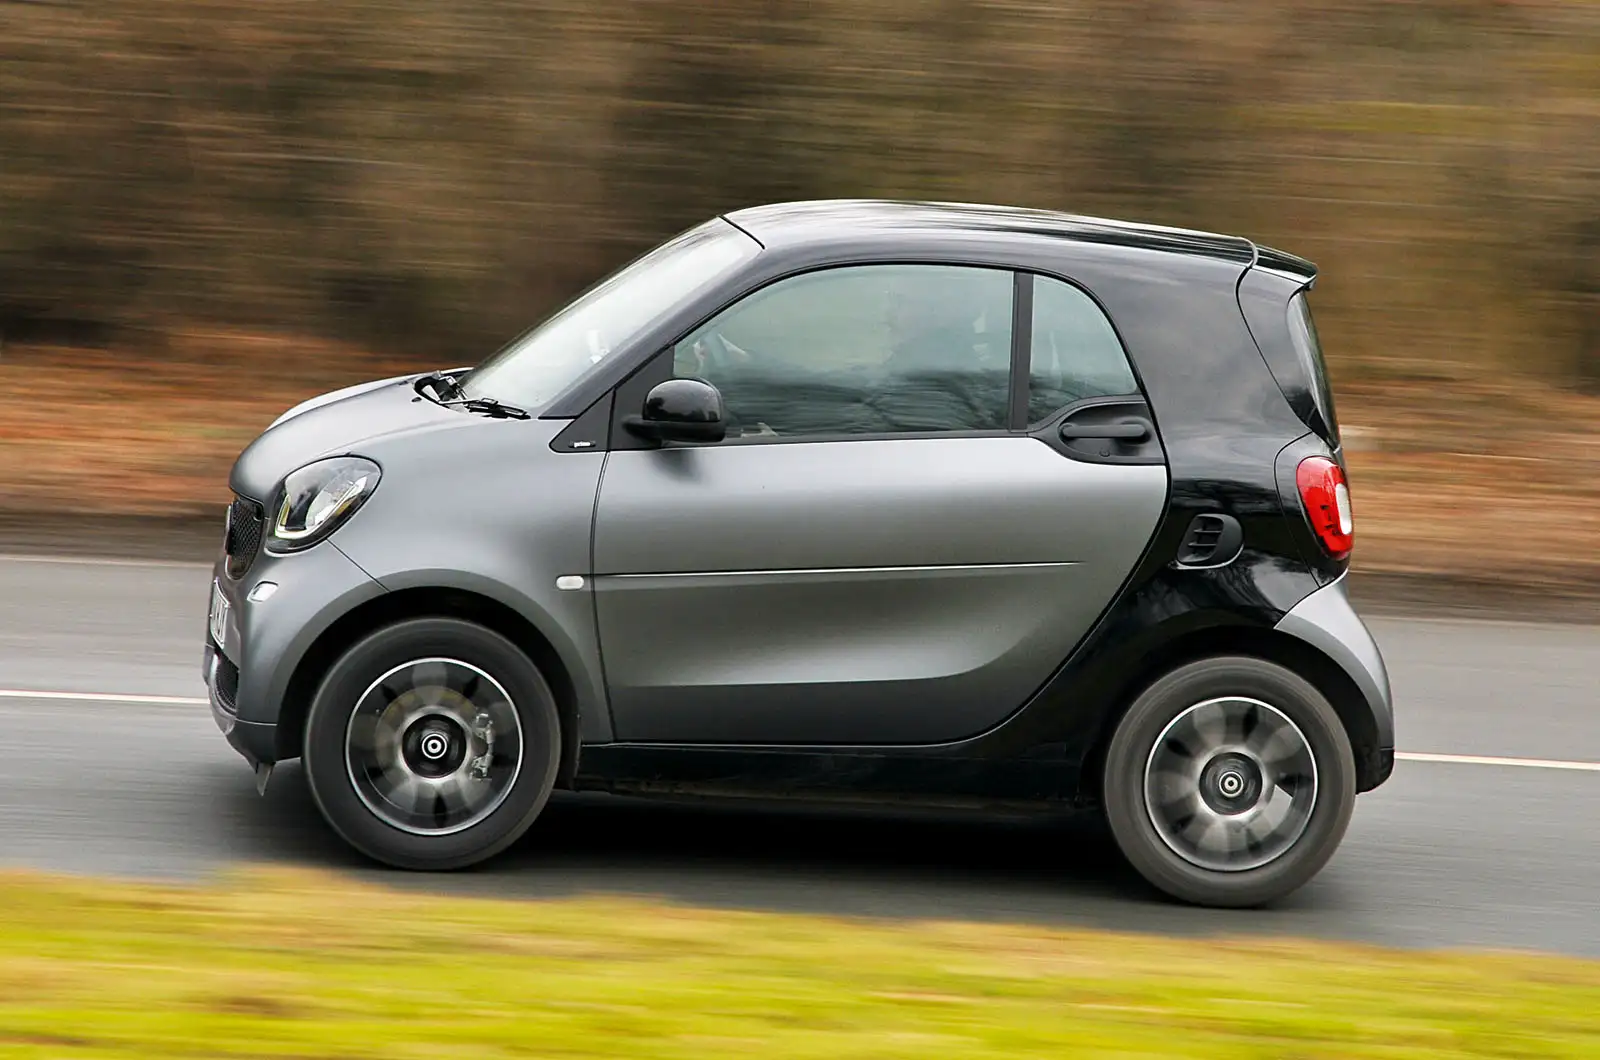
1449,853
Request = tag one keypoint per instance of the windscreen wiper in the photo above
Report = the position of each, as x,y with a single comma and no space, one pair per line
489,406
443,385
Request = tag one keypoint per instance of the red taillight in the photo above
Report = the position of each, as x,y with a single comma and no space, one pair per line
1326,496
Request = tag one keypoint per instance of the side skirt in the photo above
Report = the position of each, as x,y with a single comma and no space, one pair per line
827,775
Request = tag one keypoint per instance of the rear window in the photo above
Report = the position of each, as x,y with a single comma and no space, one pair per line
1308,348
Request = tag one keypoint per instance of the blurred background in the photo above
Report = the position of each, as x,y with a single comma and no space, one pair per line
212,209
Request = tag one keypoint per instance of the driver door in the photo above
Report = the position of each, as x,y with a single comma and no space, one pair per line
878,553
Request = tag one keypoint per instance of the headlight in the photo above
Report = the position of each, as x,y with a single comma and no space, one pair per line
314,500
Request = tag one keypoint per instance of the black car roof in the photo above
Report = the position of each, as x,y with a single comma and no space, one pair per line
825,219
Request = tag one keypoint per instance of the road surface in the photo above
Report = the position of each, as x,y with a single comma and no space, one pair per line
1452,852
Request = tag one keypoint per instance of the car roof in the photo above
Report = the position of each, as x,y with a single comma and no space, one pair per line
824,220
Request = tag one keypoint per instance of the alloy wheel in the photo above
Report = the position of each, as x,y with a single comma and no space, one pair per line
433,746
1230,784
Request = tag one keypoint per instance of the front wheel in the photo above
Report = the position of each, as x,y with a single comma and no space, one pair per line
1229,782
432,744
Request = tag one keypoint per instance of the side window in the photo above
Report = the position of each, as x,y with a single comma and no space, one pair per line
867,349
1075,353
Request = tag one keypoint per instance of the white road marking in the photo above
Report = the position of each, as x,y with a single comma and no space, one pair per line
1412,619
1403,756
1490,760
104,697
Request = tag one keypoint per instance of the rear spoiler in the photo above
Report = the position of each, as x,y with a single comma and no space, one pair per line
1285,264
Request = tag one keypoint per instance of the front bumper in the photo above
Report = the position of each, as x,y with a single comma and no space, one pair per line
256,741
254,650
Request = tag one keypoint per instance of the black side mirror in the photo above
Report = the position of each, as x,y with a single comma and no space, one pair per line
680,410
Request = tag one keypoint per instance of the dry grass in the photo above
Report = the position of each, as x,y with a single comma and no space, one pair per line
109,433
295,964
1493,480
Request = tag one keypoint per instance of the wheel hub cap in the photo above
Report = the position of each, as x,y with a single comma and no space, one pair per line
434,746
1231,783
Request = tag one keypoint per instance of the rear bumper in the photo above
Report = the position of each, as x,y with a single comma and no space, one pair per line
1380,766
1328,622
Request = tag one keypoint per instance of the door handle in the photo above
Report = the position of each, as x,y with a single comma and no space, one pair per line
1130,431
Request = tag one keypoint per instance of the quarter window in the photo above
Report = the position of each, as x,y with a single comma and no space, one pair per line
1075,353
1308,347
869,349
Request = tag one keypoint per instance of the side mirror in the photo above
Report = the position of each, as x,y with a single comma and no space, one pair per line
680,410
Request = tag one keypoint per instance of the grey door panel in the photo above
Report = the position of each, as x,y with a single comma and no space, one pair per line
909,590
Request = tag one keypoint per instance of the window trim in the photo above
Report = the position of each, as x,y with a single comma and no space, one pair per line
1021,349
657,368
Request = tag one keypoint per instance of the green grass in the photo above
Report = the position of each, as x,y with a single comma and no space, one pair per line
293,964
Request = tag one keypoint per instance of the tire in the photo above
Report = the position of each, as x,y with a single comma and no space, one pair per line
402,694
1170,730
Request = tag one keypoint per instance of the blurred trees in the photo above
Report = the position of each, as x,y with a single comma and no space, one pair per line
431,177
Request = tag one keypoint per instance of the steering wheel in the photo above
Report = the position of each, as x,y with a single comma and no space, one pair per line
718,356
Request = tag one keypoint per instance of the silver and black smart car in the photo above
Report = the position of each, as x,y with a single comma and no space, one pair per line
873,500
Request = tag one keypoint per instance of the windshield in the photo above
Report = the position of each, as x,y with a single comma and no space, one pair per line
533,370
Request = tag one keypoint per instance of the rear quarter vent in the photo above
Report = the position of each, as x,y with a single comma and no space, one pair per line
1212,540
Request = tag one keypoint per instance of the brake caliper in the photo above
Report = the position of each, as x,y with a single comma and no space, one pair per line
483,732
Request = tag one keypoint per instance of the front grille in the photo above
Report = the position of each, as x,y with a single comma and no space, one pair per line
227,684
243,541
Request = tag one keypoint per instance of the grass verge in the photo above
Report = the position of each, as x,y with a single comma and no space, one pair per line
287,963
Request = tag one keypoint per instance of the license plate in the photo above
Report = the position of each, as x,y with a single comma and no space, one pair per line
219,615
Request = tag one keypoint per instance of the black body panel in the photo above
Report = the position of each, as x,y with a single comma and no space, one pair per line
1263,297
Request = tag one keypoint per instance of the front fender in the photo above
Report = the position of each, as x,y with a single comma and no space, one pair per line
492,511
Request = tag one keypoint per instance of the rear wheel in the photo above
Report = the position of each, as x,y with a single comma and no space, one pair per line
1229,782
432,744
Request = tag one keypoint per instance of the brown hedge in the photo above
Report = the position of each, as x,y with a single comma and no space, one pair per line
428,177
